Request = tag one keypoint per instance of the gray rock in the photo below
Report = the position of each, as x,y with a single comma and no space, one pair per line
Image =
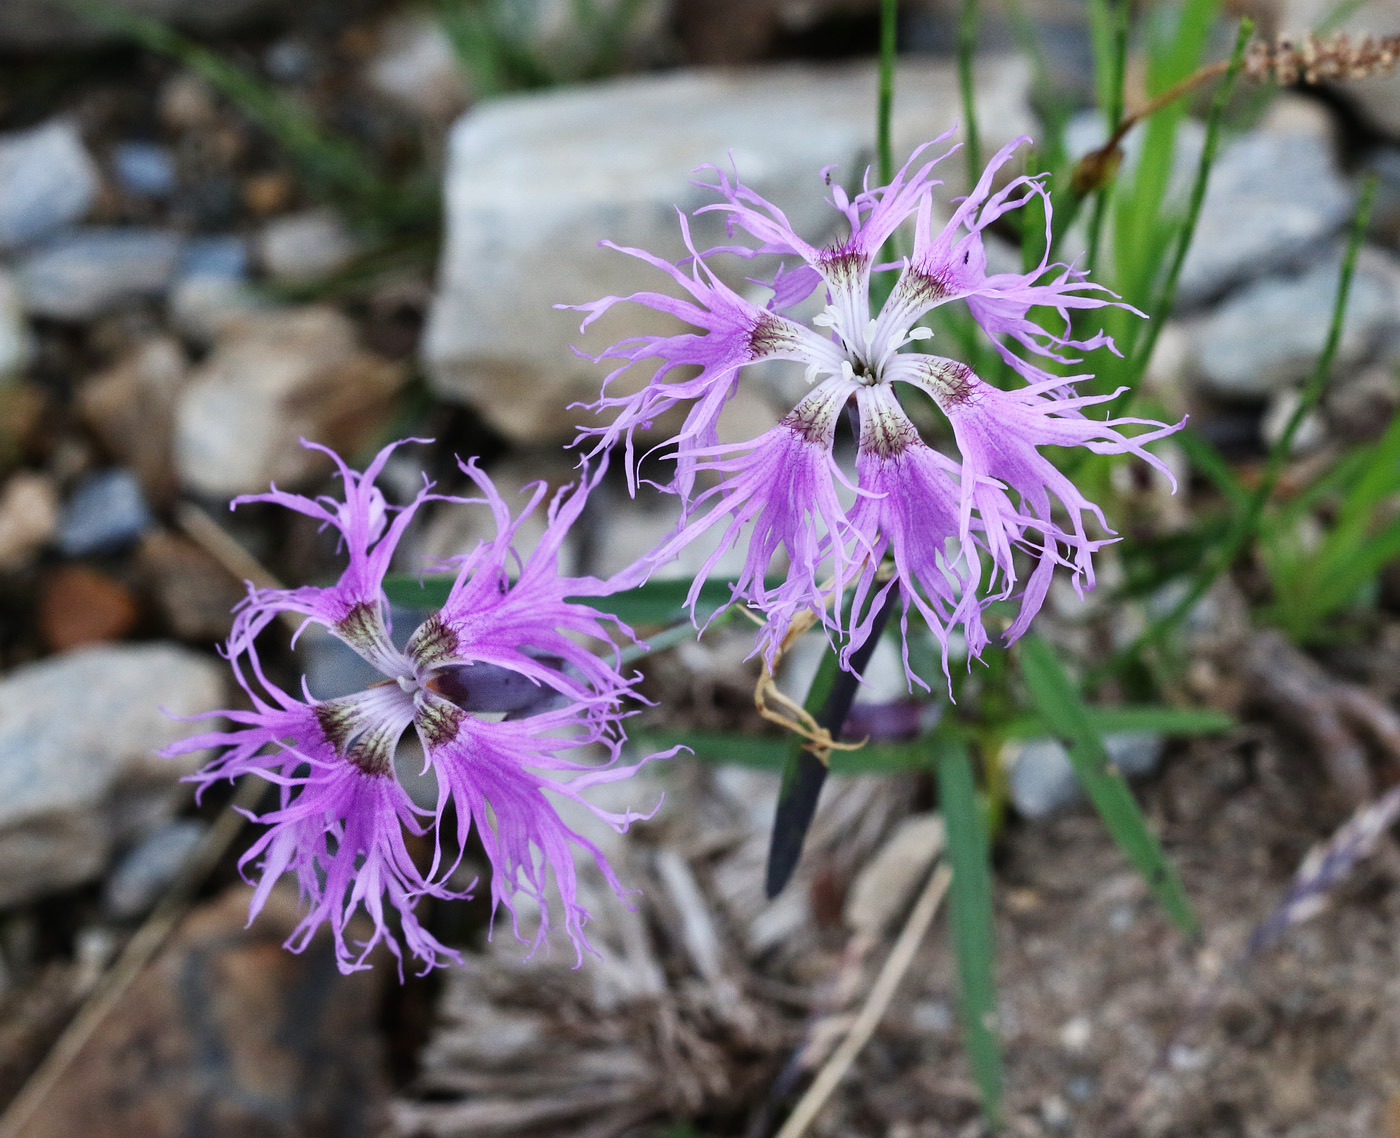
89,272
37,25
1253,220
78,736
273,378
536,181
147,869
145,169
224,256
1266,337
47,180
16,343
106,511
1043,782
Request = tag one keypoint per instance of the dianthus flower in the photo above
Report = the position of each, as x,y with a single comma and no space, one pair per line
949,529
508,639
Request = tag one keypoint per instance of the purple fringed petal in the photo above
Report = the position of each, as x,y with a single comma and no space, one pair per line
370,531
732,333
911,511
339,829
999,433
485,771
784,484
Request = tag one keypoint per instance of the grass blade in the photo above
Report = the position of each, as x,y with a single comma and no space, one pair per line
972,921
1057,699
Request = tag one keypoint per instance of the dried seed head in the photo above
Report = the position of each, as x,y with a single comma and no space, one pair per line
1317,59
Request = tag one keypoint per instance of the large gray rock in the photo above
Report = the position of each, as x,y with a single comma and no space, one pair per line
273,378
1253,221
1267,337
47,179
535,182
38,25
1273,195
78,763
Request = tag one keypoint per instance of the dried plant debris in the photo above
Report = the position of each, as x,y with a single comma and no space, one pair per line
700,997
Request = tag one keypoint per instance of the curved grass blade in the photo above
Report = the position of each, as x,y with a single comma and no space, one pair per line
1057,700
972,920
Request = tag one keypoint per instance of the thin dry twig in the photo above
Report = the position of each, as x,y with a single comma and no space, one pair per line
216,541
876,1003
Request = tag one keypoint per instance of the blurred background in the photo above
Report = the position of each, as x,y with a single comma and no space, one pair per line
226,225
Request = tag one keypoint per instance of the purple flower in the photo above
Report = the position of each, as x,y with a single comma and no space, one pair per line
510,638
944,534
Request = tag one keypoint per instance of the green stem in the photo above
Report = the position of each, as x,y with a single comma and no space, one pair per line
1118,65
967,44
884,142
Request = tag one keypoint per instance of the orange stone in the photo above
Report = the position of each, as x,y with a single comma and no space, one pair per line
80,605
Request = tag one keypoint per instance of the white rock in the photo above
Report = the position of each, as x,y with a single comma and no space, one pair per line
78,741
536,181
307,246
47,180
1043,781
274,378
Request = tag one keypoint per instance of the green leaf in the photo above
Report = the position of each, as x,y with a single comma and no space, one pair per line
972,920
1153,719
1058,701
652,603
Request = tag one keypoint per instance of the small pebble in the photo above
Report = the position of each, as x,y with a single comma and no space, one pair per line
304,246
28,517
224,256
88,272
80,605
145,169
107,511
1076,1033
47,181
1081,1088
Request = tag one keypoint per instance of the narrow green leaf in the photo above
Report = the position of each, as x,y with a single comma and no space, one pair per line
1155,719
972,921
1057,699
658,601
